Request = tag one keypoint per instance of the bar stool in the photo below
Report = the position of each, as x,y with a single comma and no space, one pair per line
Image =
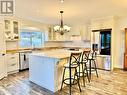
92,60
74,62
84,61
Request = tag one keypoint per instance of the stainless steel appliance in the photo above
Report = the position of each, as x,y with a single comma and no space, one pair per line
104,62
24,59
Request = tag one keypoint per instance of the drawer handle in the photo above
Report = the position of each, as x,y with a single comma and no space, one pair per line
13,64
12,57
12,53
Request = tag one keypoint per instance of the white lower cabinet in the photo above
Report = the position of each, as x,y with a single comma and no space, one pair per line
3,72
12,62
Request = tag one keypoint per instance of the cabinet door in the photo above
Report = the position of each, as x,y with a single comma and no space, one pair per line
7,29
2,40
95,25
106,24
15,30
2,66
2,51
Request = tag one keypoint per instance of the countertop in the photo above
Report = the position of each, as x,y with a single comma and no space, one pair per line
18,51
60,54
42,49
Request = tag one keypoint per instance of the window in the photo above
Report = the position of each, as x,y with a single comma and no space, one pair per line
31,39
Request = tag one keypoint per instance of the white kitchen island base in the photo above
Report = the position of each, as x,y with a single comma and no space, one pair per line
46,69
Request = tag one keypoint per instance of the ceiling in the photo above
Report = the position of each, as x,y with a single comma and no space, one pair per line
75,11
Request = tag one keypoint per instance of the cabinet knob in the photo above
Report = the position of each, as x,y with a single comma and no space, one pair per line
3,54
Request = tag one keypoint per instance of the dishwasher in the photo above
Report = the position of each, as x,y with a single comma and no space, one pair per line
24,59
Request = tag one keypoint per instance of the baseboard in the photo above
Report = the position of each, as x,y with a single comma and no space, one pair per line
12,72
103,69
118,69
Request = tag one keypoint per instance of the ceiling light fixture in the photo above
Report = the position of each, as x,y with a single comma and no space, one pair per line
61,28
62,1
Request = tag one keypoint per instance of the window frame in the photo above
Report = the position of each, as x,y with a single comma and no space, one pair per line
31,42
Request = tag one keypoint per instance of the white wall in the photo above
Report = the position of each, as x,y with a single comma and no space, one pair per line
120,41
106,23
73,44
118,26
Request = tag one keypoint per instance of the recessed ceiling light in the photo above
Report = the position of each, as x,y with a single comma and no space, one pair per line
62,1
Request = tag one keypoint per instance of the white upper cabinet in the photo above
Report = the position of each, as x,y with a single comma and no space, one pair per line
81,30
107,24
11,29
102,23
95,25
50,34
85,33
75,30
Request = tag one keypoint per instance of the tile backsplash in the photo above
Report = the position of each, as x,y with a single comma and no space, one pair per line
84,44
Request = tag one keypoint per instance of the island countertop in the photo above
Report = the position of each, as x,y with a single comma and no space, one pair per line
59,53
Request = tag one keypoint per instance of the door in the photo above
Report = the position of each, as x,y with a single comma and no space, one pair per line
125,54
2,52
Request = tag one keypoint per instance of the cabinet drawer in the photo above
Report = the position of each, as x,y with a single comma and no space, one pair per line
12,62
12,67
12,56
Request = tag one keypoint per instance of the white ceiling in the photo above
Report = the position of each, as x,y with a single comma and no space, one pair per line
75,11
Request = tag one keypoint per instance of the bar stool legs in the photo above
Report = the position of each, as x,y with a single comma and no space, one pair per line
90,69
95,68
87,75
83,75
84,72
62,79
78,78
70,79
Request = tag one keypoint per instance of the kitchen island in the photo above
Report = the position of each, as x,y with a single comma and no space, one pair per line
45,69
